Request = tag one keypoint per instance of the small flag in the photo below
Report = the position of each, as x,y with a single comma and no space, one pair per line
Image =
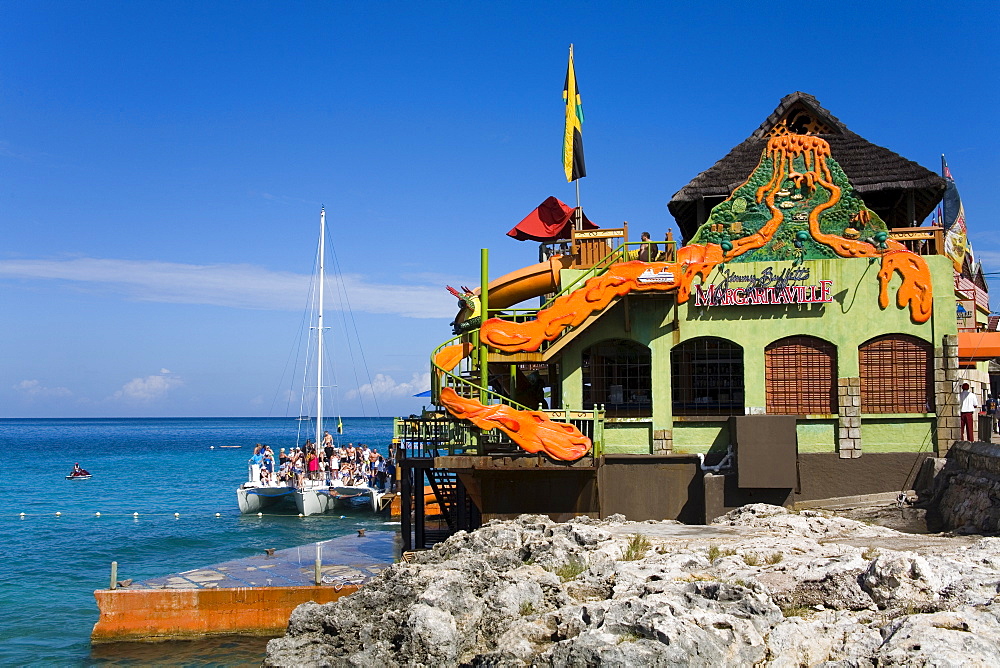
573,163
340,426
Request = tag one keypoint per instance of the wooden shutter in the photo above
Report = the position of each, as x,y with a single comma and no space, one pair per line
896,375
801,374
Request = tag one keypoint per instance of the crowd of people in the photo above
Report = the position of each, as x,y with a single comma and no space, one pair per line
328,464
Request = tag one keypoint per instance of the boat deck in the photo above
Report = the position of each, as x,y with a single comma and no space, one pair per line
345,560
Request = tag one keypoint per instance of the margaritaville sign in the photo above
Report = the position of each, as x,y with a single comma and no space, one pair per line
767,287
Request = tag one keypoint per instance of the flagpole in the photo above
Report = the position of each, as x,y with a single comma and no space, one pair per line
944,200
579,211
572,136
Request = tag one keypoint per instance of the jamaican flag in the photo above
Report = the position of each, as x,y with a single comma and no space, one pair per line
573,140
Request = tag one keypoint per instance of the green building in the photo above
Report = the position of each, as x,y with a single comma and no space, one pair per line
801,343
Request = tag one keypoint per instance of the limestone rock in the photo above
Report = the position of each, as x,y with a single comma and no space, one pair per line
761,586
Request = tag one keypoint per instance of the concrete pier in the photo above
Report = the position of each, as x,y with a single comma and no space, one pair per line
254,595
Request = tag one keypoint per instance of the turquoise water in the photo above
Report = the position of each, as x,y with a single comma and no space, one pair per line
155,467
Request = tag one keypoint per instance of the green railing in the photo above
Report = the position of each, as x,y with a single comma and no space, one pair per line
438,433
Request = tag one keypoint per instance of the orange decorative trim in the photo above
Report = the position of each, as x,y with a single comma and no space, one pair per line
531,430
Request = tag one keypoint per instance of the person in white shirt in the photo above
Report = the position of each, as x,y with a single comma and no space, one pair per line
969,406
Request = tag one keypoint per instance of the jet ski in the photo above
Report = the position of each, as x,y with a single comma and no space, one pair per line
79,474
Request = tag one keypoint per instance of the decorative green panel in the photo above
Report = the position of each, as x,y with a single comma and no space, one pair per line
627,437
701,436
817,435
896,434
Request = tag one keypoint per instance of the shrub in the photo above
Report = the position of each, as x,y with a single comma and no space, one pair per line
570,569
751,559
636,548
796,611
629,636
715,552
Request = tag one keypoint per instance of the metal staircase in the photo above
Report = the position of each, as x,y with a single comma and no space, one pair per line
445,485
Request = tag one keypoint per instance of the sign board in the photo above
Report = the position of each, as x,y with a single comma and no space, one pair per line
965,312
766,288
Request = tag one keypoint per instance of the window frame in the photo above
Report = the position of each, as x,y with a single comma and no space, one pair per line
690,364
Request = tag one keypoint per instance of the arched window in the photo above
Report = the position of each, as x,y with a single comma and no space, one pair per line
618,375
801,376
707,377
896,375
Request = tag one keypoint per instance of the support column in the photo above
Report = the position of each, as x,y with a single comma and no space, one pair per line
849,410
949,421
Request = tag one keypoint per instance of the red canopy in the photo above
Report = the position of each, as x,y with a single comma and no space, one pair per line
551,221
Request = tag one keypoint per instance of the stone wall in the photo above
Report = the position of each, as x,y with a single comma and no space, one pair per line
967,490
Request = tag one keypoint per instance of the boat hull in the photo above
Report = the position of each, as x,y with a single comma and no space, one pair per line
255,499
313,501
319,500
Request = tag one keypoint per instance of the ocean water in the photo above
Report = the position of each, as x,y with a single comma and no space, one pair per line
154,467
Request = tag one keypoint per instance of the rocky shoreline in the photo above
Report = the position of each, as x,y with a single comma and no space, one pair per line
761,586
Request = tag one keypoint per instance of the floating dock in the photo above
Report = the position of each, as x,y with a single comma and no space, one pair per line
251,596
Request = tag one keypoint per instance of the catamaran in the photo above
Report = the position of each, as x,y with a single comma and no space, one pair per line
311,496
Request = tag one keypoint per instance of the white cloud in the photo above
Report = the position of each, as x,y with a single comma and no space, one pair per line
33,388
235,285
164,370
147,389
384,386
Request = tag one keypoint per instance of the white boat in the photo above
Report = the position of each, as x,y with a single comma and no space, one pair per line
314,496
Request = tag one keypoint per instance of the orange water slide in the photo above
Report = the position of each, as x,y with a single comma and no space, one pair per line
527,282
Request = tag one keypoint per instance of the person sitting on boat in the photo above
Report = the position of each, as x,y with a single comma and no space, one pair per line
77,471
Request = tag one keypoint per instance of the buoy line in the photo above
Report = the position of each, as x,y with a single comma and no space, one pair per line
175,515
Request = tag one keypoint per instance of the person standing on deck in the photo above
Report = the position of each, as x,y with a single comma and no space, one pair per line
256,459
648,251
327,449
969,405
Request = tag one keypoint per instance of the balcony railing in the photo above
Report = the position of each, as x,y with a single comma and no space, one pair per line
920,240
438,433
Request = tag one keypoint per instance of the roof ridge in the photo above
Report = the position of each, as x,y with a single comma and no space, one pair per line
786,103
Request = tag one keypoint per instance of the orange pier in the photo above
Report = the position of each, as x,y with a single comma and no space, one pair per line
250,596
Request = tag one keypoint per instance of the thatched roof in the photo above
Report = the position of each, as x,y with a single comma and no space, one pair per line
881,177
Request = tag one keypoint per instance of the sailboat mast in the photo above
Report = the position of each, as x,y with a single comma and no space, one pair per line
319,331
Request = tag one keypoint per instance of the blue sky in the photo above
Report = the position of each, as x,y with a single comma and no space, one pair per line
162,164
